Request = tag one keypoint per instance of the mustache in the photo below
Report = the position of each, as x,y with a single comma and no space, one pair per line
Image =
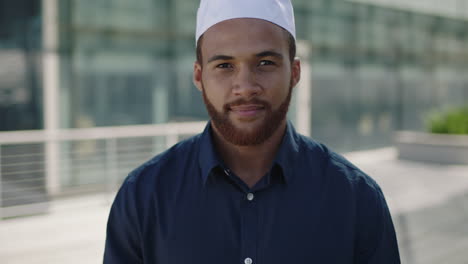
243,101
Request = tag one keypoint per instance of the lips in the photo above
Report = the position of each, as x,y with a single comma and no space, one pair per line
249,107
247,110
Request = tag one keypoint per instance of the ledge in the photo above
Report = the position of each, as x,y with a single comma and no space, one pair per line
434,148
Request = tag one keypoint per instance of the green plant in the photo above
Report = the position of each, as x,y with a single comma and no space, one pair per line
450,121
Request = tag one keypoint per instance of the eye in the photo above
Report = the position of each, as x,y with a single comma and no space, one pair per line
224,66
266,62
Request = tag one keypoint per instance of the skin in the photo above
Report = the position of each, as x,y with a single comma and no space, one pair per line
245,59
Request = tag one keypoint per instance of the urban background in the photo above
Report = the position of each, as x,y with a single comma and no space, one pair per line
90,89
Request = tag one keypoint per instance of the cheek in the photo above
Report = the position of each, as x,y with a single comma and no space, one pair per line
215,79
215,98
278,85
217,89
279,77
221,80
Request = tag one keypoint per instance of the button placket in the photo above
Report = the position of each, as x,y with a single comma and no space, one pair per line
249,227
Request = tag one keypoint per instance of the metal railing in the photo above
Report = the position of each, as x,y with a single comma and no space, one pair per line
38,166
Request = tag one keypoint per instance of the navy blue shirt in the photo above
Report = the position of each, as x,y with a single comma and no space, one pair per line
185,207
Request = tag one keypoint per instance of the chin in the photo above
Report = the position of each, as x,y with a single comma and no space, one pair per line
248,124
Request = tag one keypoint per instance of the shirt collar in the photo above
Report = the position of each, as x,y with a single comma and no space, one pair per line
287,152
208,157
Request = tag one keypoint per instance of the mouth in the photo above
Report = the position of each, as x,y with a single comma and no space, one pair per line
247,110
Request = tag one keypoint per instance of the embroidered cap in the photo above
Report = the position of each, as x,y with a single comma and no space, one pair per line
211,12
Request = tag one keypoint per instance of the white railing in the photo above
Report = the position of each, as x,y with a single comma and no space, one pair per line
36,166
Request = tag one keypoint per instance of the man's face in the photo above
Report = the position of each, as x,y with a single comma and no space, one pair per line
246,77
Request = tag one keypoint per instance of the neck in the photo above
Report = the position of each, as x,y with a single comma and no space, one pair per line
250,163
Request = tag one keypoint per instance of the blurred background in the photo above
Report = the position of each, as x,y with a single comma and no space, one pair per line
91,89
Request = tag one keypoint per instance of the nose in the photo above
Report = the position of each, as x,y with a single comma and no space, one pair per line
245,83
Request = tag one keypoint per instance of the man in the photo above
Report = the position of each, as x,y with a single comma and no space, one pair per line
249,189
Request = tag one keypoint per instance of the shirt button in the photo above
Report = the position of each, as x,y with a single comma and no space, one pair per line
248,261
250,196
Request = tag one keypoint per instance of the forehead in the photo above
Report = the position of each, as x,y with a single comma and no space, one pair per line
242,36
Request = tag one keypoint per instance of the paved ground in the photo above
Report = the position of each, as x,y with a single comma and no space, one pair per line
429,204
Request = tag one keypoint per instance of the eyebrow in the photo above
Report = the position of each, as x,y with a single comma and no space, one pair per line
262,54
220,57
269,53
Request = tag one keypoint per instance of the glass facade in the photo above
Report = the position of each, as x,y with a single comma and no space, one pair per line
378,69
20,72
131,66
21,101
375,69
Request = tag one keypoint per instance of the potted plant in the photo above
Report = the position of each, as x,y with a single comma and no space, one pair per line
446,141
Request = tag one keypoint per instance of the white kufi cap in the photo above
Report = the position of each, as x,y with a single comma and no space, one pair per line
211,12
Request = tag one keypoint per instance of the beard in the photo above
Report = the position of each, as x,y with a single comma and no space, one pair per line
239,137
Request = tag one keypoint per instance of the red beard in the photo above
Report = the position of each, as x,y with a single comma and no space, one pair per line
271,122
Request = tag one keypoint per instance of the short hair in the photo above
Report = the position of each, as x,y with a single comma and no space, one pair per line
289,38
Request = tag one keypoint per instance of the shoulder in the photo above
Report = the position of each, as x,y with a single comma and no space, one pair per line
169,162
336,168
351,172
345,182
156,178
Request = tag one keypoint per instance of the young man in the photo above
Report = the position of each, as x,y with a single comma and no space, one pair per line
249,189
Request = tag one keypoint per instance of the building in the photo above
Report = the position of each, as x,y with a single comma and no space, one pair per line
377,65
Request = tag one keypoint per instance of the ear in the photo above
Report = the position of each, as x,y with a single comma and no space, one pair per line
197,75
295,71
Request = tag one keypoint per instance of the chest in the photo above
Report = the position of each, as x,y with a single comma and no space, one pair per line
274,225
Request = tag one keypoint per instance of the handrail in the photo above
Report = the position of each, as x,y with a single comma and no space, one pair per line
27,174
38,136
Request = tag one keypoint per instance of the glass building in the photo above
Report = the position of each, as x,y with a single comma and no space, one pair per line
20,70
375,68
